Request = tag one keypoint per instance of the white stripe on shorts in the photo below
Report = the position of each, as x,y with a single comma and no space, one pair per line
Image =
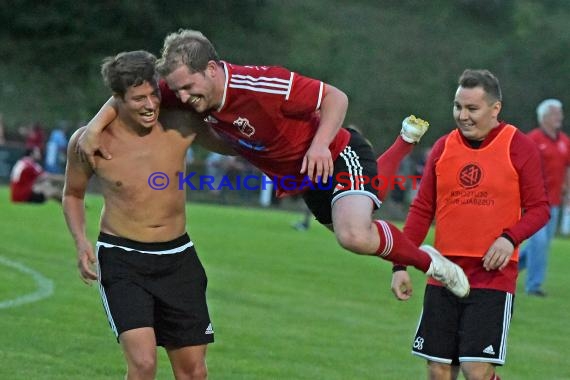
503,346
352,161
104,296
354,167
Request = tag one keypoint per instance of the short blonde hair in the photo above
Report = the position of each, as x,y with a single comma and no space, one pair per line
188,48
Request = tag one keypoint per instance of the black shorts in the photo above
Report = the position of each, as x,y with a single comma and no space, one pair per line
472,329
158,285
356,160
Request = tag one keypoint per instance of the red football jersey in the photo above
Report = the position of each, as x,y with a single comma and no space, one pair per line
22,178
555,156
270,116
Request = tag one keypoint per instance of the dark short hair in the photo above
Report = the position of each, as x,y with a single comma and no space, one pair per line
127,69
484,79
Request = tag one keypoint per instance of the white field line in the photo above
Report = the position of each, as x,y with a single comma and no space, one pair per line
44,285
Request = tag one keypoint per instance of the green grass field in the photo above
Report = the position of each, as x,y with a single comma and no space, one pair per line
285,304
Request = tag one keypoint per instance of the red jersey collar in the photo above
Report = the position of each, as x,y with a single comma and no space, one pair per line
224,97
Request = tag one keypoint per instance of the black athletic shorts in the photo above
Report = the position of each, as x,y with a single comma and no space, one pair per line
158,285
472,329
355,162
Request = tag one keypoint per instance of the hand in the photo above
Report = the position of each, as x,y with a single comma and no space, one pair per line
498,256
88,144
85,261
317,163
402,285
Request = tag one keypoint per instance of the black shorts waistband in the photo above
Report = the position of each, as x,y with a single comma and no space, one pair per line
158,247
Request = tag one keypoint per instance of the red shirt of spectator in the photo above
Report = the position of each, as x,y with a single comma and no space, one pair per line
555,154
22,179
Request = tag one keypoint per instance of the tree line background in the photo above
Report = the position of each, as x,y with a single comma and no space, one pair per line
392,58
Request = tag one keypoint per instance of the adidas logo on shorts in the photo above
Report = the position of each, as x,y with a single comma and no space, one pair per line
209,329
489,350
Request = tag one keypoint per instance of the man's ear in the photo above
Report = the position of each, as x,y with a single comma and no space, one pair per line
211,68
497,108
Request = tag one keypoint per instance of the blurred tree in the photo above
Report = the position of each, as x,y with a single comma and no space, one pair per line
391,58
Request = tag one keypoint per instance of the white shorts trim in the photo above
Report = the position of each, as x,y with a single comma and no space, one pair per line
166,252
432,358
370,195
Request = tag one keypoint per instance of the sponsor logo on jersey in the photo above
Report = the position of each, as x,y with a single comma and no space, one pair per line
244,126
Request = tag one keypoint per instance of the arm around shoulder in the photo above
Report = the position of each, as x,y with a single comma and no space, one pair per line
89,141
208,138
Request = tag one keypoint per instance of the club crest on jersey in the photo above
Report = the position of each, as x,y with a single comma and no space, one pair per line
244,126
470,176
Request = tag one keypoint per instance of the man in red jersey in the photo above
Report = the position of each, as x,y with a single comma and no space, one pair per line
477,181
290,127
29,183
554,147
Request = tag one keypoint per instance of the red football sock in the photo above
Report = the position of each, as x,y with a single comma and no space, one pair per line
388,164
397,248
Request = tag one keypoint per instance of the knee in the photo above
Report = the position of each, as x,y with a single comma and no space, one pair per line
353,239
193,371
441,371
144,366
200,372
477,376
478,371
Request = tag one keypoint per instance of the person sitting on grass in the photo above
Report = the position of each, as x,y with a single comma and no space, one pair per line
29,183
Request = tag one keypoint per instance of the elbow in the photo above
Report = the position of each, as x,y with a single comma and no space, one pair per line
542,213
343,99
547,215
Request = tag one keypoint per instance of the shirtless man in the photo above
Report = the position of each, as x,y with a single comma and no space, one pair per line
152,284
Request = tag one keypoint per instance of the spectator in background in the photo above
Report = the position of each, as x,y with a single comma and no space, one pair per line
303,224
418,171
554,147
215,167
399,192
224,170
190,157
565,218
29,182
35,137
56,149
2,136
